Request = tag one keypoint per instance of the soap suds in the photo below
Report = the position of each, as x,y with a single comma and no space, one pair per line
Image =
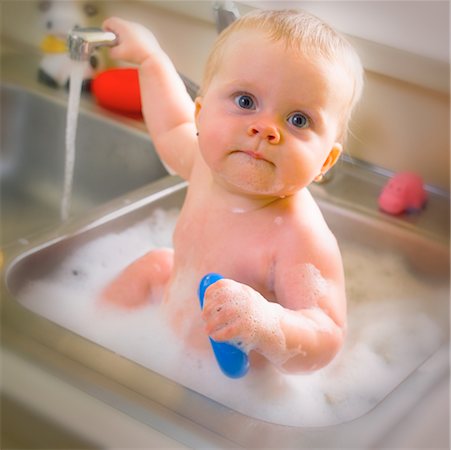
254,316
393,327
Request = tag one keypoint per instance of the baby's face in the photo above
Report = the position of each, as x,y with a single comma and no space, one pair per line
270,116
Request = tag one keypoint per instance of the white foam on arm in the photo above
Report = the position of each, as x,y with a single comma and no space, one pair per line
312,339
305,339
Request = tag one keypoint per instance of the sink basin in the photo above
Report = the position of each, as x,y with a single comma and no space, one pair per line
398,289
111,160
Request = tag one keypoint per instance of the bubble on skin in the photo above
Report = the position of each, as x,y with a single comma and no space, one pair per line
278,220
311,319
314,285
260,316
263,315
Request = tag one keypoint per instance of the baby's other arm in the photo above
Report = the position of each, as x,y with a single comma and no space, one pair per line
305,329
167,108
312,294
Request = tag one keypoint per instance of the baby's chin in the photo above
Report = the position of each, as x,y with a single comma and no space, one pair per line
250,176
254,188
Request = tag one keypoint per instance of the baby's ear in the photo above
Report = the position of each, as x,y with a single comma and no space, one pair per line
332,158
198,107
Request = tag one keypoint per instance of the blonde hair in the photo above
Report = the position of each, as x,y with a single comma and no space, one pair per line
299,30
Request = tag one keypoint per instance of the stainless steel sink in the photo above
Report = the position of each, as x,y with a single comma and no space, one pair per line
422,267
110,161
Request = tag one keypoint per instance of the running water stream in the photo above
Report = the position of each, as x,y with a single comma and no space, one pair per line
76,79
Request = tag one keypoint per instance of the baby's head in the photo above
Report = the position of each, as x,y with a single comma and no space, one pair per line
300,31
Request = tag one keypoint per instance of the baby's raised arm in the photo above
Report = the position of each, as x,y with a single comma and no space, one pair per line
167,108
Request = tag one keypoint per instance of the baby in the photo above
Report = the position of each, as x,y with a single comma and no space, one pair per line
271,117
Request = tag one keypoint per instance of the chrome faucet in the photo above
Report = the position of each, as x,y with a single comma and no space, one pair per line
225,13
81,42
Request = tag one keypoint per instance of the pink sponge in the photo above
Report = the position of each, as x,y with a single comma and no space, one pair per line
404,192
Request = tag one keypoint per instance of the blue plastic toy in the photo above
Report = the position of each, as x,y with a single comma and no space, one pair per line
233,362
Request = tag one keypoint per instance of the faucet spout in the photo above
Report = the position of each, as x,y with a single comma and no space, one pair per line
81,42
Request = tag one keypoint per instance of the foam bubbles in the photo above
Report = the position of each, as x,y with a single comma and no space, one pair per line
253,316
393,327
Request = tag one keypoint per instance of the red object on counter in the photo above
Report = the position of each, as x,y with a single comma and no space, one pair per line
118,90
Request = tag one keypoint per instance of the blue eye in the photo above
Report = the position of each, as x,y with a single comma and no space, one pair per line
299,120
245,101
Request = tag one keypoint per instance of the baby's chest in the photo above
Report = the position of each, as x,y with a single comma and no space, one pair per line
232,245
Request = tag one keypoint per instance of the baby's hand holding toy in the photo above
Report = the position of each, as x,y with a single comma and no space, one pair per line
238,314
231,313
232,361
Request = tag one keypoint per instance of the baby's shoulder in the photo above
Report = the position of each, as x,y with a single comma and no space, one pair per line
307,226
305,213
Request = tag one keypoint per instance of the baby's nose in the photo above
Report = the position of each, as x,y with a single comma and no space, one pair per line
265,131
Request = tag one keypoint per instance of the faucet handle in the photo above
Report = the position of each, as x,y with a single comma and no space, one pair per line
225,13
81,42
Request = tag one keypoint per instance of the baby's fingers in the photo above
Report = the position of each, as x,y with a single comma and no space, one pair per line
219,320
226,332
115,25
215,298
212,309
135,42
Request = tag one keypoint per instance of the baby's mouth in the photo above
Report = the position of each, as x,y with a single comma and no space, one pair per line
253,154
